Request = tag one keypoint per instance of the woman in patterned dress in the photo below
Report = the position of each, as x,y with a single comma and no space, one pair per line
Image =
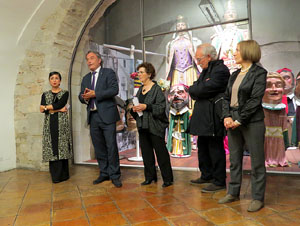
56,131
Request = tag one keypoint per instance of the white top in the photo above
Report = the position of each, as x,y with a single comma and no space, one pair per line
182,111
273,106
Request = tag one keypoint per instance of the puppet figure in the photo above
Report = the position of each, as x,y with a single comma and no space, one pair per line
276,135
179,141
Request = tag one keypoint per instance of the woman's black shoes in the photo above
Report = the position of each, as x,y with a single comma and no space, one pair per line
61,180
166,184
147,182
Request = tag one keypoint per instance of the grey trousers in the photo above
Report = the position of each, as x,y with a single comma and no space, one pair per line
253,136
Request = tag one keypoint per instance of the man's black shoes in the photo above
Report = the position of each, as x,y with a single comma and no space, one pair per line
117,183
100,179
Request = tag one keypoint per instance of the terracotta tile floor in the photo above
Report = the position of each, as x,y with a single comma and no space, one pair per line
28,197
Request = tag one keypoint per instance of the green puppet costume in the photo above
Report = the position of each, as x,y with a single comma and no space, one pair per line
179,141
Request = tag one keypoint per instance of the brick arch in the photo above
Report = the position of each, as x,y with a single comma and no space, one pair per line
51,49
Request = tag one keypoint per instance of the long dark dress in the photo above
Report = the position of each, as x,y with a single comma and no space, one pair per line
56,136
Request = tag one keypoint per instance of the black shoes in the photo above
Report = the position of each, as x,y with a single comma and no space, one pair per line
116,182
100,179
61,180
147,182
166,184
201,181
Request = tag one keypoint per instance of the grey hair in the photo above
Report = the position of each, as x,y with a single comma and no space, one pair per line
97,54
208,49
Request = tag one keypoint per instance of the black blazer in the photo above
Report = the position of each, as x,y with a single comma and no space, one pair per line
250,94
106,89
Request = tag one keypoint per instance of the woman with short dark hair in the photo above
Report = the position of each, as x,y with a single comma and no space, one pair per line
244,120
56,132
152,125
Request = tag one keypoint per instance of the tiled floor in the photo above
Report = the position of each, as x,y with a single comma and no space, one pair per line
28,197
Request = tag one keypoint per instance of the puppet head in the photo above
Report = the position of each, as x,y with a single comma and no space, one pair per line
289,79
130,121
178,96
274,89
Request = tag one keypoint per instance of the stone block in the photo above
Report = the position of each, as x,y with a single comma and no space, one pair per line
35,123
29,104
20,90
36,89
60,64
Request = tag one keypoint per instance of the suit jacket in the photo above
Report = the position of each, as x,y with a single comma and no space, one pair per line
106,89
250,94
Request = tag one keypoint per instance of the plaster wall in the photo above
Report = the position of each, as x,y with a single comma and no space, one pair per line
276,28
19,21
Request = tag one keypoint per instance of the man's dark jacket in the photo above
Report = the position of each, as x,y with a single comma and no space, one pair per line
106,89
250,94
208,91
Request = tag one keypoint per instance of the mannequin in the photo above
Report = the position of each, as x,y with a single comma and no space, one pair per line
226,41
181,64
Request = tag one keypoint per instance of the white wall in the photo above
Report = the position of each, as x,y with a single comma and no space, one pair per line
276,28
19,22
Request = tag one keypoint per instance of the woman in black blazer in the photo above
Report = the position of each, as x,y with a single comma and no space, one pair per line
152,126
244,120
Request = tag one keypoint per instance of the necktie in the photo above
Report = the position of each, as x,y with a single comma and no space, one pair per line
92,101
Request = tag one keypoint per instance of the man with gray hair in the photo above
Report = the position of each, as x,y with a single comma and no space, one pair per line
98,90
206,122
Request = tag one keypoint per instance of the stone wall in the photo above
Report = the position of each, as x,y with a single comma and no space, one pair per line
50,50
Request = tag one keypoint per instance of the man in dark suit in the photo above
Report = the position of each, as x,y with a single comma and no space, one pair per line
98,89
206,121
